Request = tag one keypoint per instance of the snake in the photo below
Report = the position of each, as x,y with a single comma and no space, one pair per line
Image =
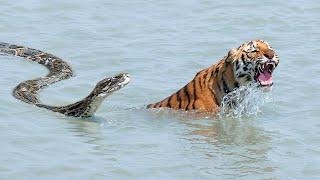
28,91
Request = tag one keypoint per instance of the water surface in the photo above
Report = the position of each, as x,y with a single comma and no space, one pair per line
162,44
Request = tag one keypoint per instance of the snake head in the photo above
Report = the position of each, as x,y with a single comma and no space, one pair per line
111,84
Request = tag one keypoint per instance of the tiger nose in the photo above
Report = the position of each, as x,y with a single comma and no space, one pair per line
269,54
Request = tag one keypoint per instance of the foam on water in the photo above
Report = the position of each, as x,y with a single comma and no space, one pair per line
245,101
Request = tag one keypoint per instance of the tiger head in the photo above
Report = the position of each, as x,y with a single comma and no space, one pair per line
253,61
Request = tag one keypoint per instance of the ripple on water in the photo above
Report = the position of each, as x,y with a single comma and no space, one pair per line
162,44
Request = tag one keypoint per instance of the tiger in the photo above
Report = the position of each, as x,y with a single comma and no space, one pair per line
251,62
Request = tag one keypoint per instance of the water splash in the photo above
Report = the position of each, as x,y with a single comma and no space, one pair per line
245,101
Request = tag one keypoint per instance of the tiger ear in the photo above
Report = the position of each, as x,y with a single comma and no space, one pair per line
231,54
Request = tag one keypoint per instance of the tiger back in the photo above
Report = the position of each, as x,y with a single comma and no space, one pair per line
253,61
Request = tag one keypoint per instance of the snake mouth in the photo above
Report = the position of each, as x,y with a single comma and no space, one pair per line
117,82
264,75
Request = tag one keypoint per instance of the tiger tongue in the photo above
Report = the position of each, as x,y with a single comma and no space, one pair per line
265,77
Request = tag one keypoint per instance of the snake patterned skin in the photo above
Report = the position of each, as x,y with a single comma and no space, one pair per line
27,91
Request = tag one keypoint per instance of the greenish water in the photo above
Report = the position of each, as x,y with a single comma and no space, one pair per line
162,44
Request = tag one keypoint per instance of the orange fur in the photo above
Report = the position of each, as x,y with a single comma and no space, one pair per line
205,92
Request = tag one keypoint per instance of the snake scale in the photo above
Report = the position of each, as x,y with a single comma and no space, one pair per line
27,91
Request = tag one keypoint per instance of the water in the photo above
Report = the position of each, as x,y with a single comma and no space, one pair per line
162,44
244,101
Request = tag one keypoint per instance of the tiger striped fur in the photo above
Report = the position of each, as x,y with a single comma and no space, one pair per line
253,61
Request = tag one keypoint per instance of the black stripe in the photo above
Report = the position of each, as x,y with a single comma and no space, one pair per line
216,99
205,75
213,73
169,103
236,85
242,57
243,61
204,80
237,65
200,84
185,90
242,75
194,94
225,86
178,99
218,84
216,71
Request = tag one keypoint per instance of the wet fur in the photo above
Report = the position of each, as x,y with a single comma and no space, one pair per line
205,92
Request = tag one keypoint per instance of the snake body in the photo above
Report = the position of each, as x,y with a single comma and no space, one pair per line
27,91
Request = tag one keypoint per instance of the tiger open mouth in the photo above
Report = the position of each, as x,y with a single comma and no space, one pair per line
264,75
